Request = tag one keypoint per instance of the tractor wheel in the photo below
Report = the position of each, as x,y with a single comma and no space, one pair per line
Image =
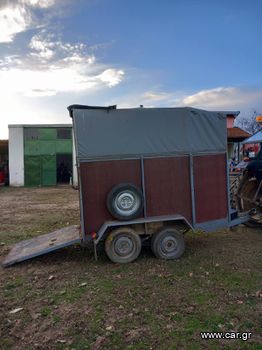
246,193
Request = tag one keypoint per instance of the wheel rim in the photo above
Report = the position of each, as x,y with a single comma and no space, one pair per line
127,203
168,245
124,246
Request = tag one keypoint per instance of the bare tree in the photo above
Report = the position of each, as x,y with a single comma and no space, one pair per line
249,123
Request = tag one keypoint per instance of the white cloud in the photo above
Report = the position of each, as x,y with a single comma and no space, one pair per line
17,16
77,58
50,82
48,67
156,96
52,66
148,98
111,77
222,97
43,48
38,3
9,60
13,20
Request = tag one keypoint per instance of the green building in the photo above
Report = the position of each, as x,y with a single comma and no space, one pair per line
41,155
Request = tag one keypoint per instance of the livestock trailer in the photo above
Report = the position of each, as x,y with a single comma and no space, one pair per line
150,174
146,176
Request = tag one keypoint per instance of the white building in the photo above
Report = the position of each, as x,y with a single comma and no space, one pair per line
41,155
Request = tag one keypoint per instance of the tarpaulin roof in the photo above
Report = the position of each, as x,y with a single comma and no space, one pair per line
254,138
109,132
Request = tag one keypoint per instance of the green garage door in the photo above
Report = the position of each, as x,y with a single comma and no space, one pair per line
32,170
48,170
40,170
41,147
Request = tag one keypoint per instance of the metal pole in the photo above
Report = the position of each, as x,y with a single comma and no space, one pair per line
191,171
143,184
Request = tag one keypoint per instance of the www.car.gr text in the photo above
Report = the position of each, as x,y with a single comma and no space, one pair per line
226,335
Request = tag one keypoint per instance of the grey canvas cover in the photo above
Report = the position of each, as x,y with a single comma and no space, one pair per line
123,133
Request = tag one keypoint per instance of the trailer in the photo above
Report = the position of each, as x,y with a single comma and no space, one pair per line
147,176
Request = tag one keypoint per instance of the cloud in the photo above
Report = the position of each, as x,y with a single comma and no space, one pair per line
17,16
156,96
50,65
111,77
219,98
42,48
45,47
223,97
50,82
13,20
38,3
148,98
53,66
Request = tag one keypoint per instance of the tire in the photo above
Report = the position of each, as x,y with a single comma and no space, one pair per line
125,202
123,245
252,223
247,189
168,244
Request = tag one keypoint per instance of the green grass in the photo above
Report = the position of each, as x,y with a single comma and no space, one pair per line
45,311
149,304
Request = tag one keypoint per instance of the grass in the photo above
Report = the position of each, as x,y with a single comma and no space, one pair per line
149,304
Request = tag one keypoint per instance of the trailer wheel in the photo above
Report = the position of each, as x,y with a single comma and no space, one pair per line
125,202
123,245
168,244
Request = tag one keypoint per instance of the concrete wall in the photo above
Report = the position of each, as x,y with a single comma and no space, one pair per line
16,156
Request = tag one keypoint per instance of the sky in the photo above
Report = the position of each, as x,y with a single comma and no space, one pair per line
200,53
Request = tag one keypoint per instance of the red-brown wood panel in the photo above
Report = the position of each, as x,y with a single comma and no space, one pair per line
210,184
97,179
167,184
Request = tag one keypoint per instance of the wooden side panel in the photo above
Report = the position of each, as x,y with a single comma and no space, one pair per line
210,184
97,179
167,184
167,187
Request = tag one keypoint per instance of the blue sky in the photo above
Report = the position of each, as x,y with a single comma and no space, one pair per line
206,54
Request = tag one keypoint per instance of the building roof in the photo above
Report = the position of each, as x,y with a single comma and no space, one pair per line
236,134
230,113
254,138
40,126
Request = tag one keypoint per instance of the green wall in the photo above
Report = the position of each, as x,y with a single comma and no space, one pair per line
41,145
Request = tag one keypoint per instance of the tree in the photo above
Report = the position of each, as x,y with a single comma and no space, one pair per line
249,123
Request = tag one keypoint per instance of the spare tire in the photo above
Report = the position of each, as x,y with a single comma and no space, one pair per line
125,201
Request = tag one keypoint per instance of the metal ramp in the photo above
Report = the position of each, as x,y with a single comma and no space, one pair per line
43,244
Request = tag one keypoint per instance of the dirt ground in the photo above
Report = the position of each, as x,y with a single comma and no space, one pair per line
70,301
